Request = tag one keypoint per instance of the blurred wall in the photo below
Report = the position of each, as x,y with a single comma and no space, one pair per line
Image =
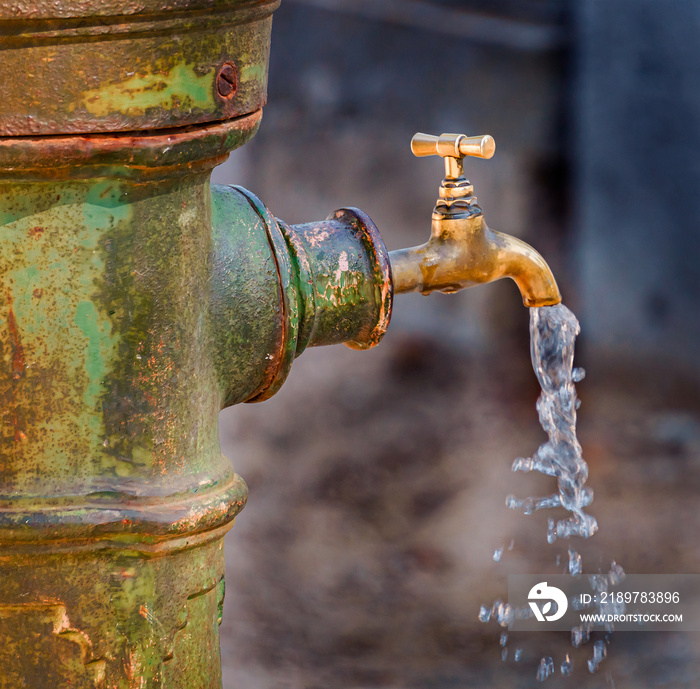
637,166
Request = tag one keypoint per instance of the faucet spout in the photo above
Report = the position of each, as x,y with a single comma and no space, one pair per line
526,267
463,252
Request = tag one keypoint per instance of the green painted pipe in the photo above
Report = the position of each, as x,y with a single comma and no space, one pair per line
136,302
134,310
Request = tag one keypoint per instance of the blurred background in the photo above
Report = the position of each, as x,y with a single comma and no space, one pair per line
378,479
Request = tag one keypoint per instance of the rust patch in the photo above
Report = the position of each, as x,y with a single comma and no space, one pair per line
17,349
227,80
36,232
164,152
18,365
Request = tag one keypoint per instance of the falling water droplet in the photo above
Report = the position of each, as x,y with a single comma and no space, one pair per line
599,653
484,614
575,563
505,613
545,669
567,665
512,503
617,574
579,636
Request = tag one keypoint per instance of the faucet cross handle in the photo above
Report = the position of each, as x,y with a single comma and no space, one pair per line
453,145
453,148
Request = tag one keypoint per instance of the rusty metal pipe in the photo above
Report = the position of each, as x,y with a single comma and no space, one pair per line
136,302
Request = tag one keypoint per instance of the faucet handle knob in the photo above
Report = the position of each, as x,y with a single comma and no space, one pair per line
453,145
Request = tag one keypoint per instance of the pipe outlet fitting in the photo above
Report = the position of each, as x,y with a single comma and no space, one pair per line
278,289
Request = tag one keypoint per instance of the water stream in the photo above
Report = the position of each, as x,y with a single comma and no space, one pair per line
553,331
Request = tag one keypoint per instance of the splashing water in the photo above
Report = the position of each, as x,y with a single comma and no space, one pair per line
553,331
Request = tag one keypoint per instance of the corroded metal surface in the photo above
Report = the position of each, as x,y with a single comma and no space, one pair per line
114,495
137,302
135,156
350,295
112,619
129,65
319,283
108,405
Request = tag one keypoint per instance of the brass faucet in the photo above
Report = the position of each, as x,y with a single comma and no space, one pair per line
462,251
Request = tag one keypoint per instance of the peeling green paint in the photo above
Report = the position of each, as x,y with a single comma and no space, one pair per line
99,347
254,72
136,302
182,88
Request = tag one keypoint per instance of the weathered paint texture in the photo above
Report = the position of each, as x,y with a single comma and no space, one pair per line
154,69
128,324
331,280
135,303
112,618
114,495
